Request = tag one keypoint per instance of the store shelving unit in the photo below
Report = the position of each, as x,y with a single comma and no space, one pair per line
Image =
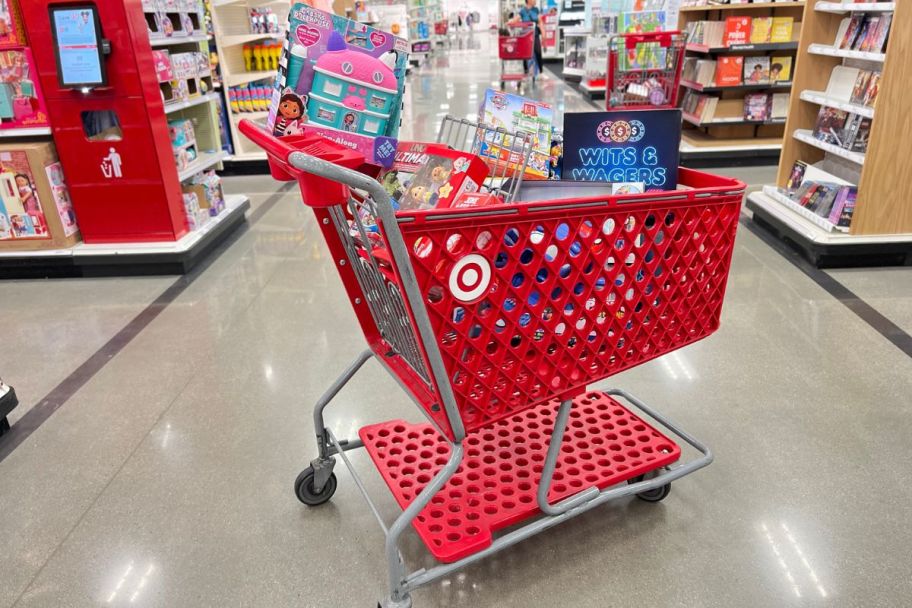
231,22
881,227
422,15
751,141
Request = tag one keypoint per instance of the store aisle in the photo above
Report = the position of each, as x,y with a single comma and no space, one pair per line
166,479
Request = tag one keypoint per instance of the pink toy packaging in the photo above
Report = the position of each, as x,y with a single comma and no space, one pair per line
342,80
21,102
12,30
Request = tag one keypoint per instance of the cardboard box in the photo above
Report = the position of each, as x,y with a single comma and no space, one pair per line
447,174
35,207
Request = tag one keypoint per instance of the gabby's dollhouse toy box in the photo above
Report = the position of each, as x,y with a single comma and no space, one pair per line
341,79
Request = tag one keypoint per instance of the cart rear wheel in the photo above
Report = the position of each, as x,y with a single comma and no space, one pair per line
4,425
304,488
656,495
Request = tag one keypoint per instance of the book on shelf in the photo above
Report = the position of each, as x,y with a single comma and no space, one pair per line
842,82
737,31
863,32
757,106
861,87
760,30
870,95
857,133
779,105
843,206
728,70
756,70
780,69
781,29
708,33
830,126
796,176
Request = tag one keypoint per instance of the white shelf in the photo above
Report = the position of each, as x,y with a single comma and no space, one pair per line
723,147
234,204
242,156
250,115
822,222
174,40
820,98
574,72
240,78
183,105
831,51
816,234
32,132
845,7
236,39
203,162
220,3
807,137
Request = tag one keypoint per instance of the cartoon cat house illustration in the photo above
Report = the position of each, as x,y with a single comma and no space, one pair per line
352,91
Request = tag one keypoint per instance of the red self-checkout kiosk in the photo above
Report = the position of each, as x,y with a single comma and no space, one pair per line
95,65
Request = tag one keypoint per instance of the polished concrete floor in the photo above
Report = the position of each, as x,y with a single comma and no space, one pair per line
165,480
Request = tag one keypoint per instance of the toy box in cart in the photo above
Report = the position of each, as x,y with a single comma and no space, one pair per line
342,78
514,114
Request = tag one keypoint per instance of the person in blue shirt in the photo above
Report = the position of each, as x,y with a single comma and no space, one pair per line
530,13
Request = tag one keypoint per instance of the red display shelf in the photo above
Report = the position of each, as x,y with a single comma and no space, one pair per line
496,484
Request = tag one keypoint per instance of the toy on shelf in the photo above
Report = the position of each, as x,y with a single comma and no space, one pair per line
21,102
183,142
35,207
262,57
341,79
183,76
249,98
174,18
12,30
263,21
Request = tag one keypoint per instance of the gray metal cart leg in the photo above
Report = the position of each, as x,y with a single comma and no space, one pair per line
399,596
316,484
544,484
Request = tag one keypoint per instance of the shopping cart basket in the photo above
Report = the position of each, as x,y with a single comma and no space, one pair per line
644,70
516,52
494,320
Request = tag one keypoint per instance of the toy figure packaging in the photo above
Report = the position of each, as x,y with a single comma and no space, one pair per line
517,115
35,207
342,80
12,30
21,103
446,175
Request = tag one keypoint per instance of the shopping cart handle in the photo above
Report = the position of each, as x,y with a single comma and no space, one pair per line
336,169
663,38
272,145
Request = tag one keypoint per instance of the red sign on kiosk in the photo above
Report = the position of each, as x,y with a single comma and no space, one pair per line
110,132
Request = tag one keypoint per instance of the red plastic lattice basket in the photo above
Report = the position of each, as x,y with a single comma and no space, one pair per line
496,484
572,293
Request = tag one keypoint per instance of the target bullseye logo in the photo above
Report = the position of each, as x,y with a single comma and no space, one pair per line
470,278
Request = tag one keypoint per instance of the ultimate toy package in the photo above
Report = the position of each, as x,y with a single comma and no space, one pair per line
443,178
340,79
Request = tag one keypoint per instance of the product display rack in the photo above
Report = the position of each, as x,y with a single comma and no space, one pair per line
231,23
881,226
422,16
750,141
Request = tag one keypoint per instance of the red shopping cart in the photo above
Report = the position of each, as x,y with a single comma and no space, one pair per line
516,52
644,70
494,321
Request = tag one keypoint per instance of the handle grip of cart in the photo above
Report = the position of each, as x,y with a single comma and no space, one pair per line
292,164
663,38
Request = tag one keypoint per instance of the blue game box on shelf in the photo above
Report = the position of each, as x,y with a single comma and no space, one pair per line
623,147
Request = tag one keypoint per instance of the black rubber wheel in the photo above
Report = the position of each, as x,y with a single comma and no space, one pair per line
304,488
656,495
4,426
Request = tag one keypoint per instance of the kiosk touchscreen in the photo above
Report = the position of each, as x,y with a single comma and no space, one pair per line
78,46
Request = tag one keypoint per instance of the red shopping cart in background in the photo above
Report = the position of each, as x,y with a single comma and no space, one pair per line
516,52
494,321
644,70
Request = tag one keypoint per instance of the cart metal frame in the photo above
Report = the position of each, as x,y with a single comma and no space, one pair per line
388,310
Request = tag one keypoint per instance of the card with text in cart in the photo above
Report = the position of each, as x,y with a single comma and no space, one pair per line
623,146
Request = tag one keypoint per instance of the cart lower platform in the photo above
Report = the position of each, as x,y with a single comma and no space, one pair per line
495,487
537,468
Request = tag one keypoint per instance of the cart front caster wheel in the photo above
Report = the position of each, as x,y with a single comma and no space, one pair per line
656,495
304,488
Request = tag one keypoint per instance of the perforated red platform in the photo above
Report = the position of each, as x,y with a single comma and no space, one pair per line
605,444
